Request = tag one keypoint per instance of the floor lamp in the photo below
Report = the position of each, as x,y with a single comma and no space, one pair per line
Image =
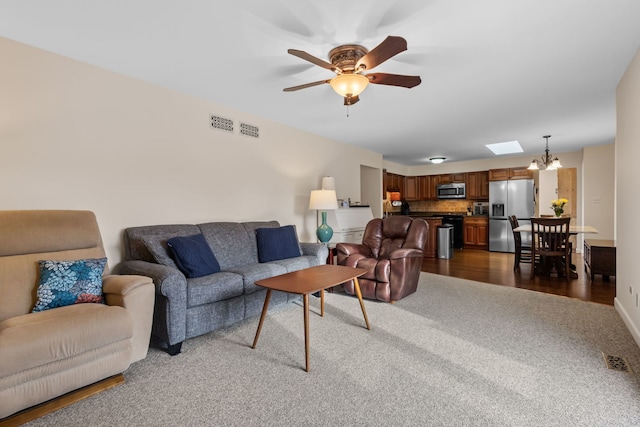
323,201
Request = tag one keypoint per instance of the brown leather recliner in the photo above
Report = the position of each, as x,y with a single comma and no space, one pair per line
391,252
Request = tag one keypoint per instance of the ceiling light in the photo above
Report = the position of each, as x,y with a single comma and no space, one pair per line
509,147
437,160
546,160
348,85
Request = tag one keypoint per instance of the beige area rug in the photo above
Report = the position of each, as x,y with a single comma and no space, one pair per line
456,353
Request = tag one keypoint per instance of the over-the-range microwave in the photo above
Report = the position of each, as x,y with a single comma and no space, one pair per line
452,191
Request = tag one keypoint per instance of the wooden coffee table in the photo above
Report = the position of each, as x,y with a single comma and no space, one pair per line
309,281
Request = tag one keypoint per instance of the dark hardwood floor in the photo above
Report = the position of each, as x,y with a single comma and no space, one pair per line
497,268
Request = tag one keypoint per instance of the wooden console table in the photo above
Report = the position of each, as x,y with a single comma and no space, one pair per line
600,258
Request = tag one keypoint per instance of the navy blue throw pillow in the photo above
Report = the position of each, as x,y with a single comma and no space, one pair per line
193,255
277,243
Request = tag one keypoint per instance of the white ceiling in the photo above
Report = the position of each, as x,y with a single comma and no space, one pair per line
492,70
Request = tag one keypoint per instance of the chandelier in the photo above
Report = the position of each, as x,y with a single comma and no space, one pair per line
545,161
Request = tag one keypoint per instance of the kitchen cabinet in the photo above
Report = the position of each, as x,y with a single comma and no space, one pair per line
394,182
459,177
510,173
384,184
476,232
424,187
431,247
520,173
411,188
478,185
444,178
498,174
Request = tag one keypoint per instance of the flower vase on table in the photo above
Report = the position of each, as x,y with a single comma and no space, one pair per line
558,206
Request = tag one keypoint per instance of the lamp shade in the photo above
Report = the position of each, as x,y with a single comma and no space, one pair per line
323,200
349,84
328,183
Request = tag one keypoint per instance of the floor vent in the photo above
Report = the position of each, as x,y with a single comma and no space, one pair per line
249,130
221,123
617,363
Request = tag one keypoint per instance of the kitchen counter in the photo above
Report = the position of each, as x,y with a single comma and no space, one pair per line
438,214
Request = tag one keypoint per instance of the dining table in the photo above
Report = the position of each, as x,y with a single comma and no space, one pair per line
573,230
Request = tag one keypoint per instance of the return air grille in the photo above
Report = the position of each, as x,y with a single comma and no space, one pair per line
221,123
249,130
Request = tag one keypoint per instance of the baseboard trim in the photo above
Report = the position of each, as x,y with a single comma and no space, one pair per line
633,329
52,405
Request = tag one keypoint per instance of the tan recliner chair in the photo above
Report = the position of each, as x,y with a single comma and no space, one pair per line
49,353
391,252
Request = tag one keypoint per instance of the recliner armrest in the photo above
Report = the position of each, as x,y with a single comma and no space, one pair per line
136,294
354,248
406,253
122,285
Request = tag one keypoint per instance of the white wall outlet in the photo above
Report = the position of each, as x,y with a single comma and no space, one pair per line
596,200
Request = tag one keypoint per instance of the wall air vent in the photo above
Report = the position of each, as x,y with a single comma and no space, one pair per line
221,123
249,130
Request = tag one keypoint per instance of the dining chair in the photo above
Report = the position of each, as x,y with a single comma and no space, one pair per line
550,243
523,251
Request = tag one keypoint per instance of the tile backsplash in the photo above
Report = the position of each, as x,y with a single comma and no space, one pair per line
459,206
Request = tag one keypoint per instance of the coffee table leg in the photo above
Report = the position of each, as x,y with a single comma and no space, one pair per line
359,294
306,331
262,316
322,303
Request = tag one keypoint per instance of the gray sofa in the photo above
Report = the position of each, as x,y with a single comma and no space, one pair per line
188,307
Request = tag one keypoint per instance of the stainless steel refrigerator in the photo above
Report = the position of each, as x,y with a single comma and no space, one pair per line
506,198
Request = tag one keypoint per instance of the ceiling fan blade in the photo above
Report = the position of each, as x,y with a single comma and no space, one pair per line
351,100
307,57
390,47
394,79
304,86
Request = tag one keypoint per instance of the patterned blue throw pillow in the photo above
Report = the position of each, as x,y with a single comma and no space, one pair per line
69,282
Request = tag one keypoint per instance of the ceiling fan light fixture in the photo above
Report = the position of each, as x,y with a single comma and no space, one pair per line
349,85
437,160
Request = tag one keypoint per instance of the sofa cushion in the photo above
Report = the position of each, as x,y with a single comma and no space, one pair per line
213,288
157,246
277,243
69,282
230,242
297,263
38,339
193,256
253,272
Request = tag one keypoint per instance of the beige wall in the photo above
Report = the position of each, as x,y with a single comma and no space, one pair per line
627,201
74,136
598,200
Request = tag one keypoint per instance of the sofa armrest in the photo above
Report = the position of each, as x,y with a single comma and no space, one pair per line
318,250
168,281
135,294
171,297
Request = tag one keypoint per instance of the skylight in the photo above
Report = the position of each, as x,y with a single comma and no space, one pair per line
508,147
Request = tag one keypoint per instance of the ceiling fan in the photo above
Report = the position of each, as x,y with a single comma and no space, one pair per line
351,61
